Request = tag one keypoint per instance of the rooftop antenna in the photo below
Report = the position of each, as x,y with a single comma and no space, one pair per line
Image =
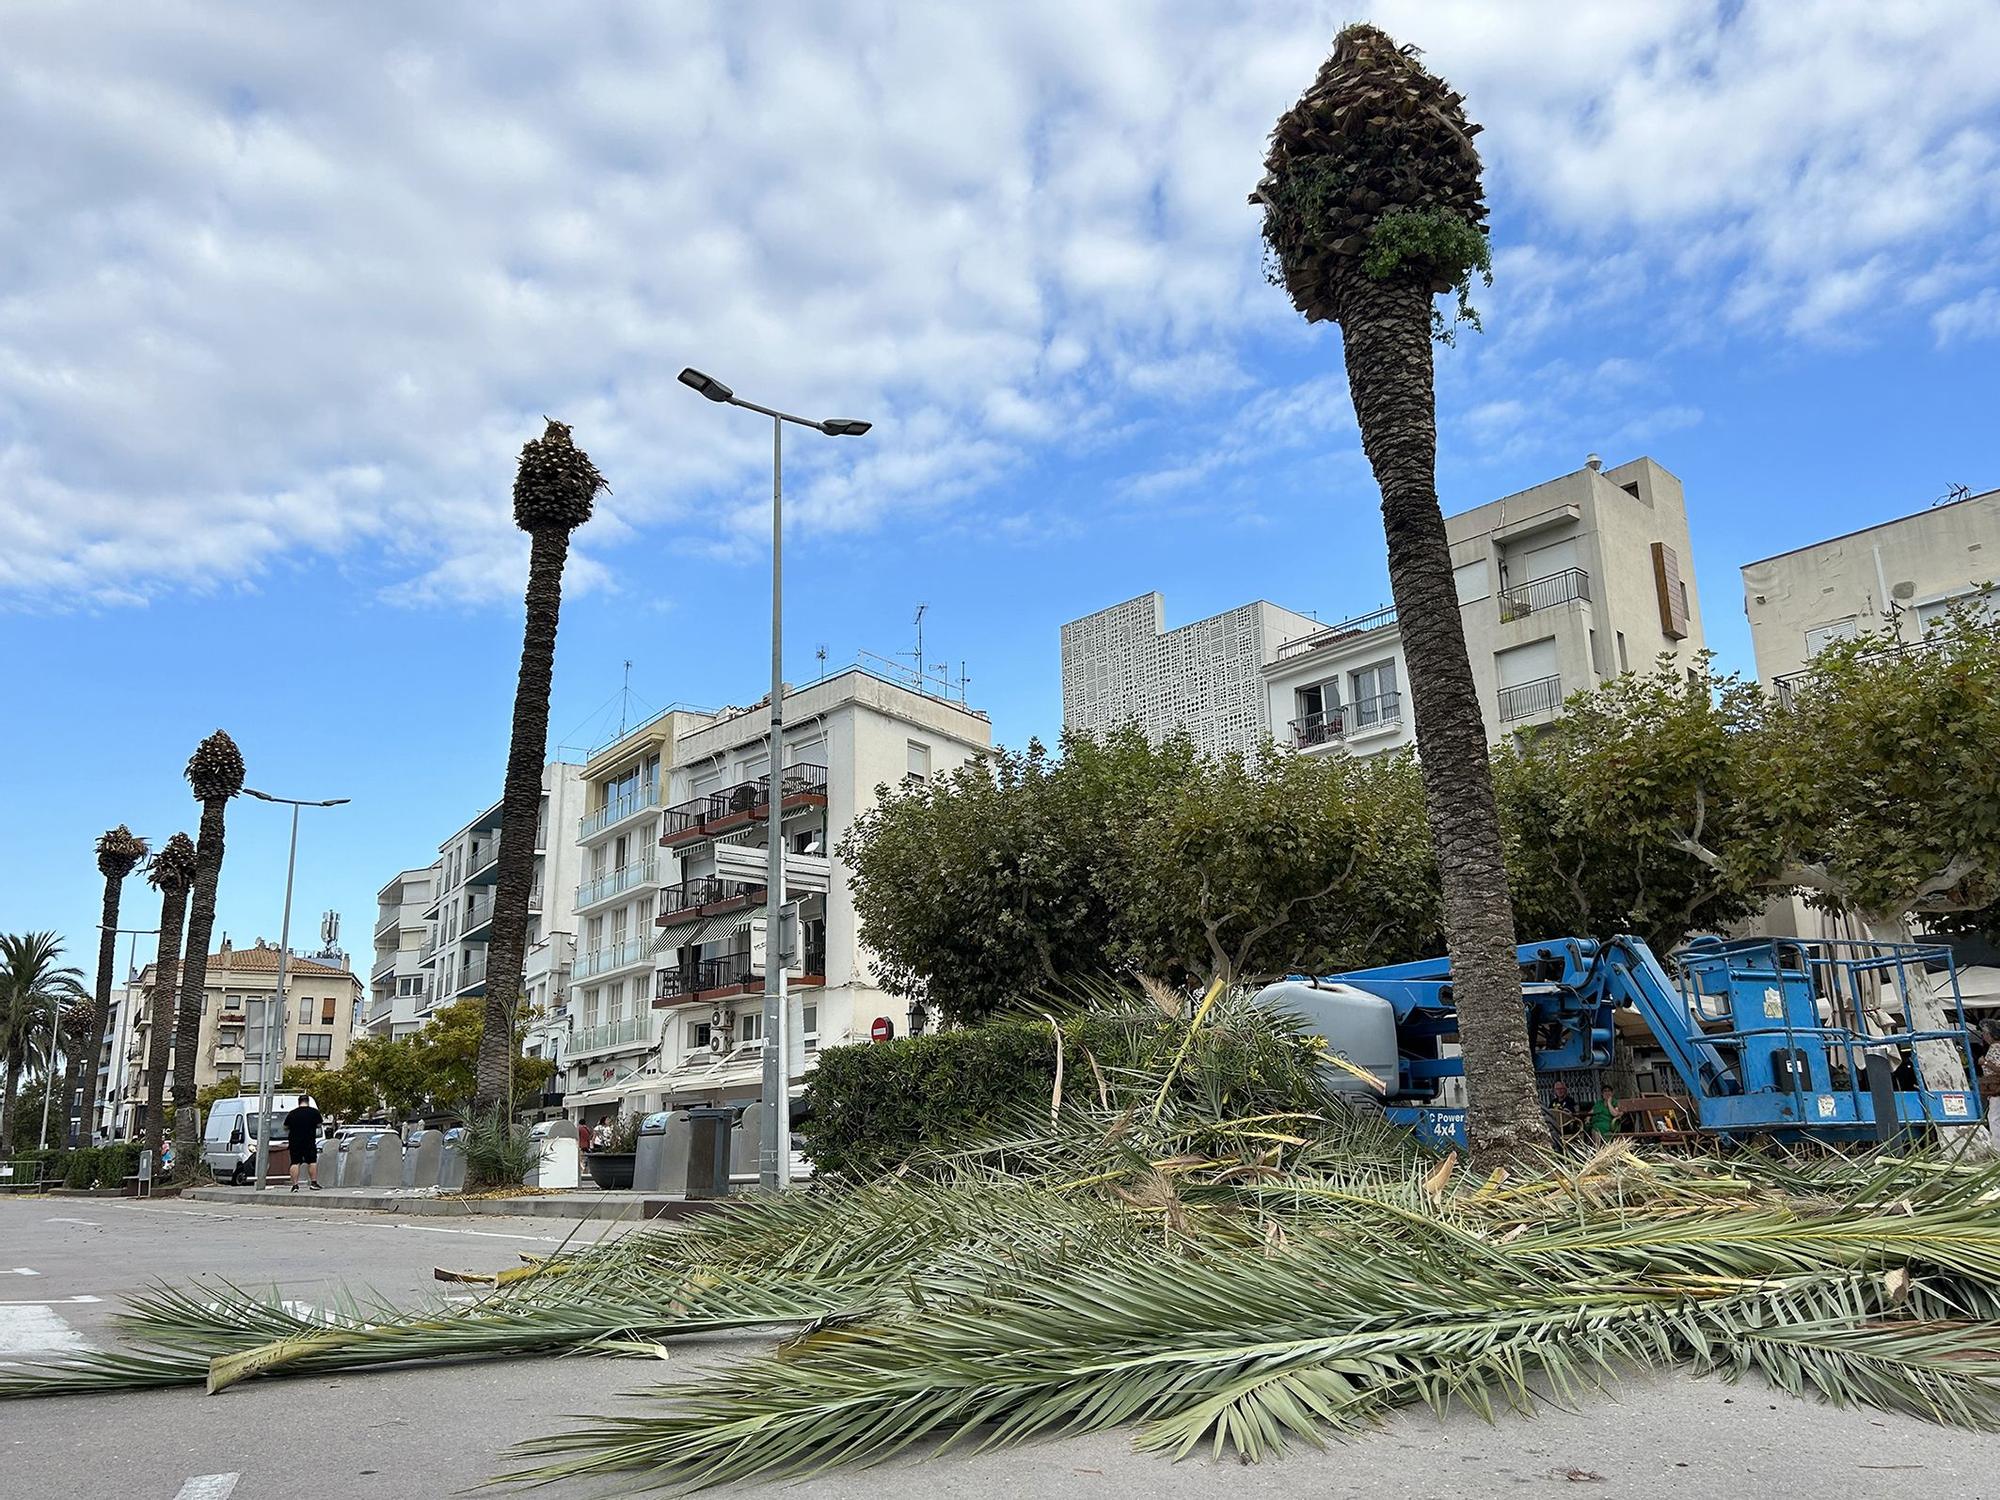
329,932
820,653
1953,494
918,654
963,679
624,700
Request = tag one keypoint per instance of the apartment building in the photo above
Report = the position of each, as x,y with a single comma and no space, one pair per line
113,1080
459,916
1560,587
1894,578
667,1003
398,981
321,1000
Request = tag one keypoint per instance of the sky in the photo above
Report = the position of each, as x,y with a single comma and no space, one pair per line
283,289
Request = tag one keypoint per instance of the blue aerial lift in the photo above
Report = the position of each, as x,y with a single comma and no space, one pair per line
1769,1036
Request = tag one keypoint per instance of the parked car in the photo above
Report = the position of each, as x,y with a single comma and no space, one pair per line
229,1138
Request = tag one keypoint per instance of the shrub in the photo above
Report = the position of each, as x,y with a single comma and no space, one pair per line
115,1163
80,1169
497,1152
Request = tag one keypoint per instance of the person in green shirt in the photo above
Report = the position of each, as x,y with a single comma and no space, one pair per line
1604,1113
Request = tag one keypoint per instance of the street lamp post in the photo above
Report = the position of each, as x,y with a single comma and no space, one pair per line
775,1150
276,1030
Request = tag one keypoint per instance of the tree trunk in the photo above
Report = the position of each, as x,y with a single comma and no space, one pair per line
194,980
107,944
1386,332
16,1060
160,1005
520,805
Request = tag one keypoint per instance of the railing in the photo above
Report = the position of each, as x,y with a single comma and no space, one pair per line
1525,699
1787,684
609,884
603,960
689,980
389,923
624,1033
384,967
479,913
708,890
618,809
1372,713
473,970
479,864
1525,599
1316,729
431,945
1358,625
745,799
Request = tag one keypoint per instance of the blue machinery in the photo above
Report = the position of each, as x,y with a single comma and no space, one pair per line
1766,1035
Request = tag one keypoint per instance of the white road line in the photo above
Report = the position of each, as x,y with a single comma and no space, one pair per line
209,1487
344,1222
24,1271
484,1234
51,1301
92,1222
34,1331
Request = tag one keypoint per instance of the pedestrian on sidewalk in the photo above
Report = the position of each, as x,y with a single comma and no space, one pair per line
302,1135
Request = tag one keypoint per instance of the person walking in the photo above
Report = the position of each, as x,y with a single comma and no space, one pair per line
302,1136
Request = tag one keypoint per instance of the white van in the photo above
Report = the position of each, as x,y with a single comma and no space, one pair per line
229,1139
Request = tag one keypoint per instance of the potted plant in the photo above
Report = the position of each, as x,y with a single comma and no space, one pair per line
611,1164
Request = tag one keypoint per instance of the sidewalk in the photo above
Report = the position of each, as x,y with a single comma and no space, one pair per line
591,1203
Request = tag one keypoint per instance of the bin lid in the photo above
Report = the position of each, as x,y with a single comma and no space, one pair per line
655,1123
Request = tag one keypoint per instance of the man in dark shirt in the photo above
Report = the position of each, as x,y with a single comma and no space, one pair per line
302,1135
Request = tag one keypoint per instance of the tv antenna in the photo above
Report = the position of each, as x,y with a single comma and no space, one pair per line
624,700
819,652
1953,493
918,654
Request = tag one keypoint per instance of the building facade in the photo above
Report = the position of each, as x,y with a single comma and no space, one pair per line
666,1005
321,1002
398,981
1560,587
1893,579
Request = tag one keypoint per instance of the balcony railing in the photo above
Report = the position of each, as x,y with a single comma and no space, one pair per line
612,882
692,896
473,970
389,921
1373,713
1525,700
384,967
616,956
1537,594
1316,729
431,945
1359,625
478,912
629,1032
626,805
802,784
692,981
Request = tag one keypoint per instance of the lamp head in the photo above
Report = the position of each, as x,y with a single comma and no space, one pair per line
844,427
708,385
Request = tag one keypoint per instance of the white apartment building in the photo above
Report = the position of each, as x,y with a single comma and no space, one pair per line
1560,587
666,1005
398,981
459,917
1896,577
112,1075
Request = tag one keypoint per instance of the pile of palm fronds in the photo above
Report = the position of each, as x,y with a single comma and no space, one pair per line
1221,1274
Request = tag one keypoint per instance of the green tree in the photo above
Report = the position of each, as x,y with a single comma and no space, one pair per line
1009,874
1640,810
33,989
172,874
339,1092
1280,862
448,1052
118,850
392,1071
215,774
1373,203
554,489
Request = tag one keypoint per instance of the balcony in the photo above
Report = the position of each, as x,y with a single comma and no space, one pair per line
227,1054
742,804
707,979
384,967
616,882
389,921
1379,712
478,919
1538,594
642,798
472,975
431,946
635,1031
1359,625
483,866
606,960
1316,729
707,896
1528,699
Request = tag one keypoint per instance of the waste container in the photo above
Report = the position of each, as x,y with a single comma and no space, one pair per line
382,1159
451,1161
422,1155
331,1149
710,1149
559,1161
352,1154
662,1140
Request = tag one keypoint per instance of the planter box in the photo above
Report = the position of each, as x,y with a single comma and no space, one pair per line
611,1170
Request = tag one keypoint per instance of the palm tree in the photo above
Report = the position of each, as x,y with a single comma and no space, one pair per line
215,772
32,987
118,850
172,874
1373,204
553,491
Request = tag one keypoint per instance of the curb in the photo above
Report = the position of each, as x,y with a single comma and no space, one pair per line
605,1208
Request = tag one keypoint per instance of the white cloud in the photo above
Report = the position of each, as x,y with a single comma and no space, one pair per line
1976,317
287,280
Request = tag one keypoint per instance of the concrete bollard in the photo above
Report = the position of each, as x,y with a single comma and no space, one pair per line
559,1162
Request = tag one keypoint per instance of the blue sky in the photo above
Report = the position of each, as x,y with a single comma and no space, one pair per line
283,289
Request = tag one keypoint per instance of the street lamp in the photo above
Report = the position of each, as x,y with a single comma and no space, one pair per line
284,953
916,1018
775,1153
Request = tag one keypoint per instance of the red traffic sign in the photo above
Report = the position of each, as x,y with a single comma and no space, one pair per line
882,1030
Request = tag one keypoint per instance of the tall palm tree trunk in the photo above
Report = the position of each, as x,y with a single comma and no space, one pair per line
76,1044
160,1002
107,943
520,807
1386,331
194,978
16,1061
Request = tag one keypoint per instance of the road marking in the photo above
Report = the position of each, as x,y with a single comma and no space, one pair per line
484,1234
209,1487
92,1222
24,1271
31,1329
50,1301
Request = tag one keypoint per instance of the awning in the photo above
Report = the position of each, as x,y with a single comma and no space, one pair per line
612,1093
717,928
675,934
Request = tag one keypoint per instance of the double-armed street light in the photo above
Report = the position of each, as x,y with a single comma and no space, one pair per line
274,1031
775,1149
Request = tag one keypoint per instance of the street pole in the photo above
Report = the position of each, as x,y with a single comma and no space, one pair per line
265,1101
275,1030
775,1147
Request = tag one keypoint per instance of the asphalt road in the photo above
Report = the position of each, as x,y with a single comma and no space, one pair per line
442,1430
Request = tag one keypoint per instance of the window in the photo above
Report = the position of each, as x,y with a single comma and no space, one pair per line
1624,665
590,1007
917,760
749,1027
410,984
326,1010
1980,604
699,1036
306,1011
1470,581
1319,698
809,1024
1821,636
1375,697
315,1045
614,1003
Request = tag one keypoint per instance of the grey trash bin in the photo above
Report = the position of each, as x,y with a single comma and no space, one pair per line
658,1140
422,1158
710,1151
330,1152
451,1161
352,1154
382,1159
